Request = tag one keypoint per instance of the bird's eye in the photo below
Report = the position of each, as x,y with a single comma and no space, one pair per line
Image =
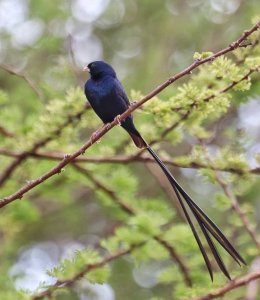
92,65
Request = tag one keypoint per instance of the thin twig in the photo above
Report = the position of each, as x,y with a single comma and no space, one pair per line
233,284
242,60
127,159
22,156
69,158
168,130
125,207
234,202
89,267
164,184
253,286
185,115
131,211
237,208
73,64
29,81
5,132
6,174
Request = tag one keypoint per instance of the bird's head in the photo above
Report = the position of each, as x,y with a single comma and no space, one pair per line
98,69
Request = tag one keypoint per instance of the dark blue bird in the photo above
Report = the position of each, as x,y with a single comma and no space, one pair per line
107,97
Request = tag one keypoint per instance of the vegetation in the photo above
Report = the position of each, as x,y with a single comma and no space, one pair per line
98,221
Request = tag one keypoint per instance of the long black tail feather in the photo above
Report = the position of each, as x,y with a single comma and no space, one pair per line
202,250
207,226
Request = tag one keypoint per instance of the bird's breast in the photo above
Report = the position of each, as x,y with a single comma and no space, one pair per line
101,89
101,96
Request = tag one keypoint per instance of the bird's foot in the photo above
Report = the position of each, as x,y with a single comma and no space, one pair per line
107,126
117,119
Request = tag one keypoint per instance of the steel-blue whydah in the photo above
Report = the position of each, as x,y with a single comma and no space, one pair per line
108,99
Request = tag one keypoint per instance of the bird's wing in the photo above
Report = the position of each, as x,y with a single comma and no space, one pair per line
121,92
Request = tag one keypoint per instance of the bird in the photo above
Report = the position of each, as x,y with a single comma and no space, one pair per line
109,100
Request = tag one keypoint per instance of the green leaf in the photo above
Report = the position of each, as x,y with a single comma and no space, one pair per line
222,202
202,55
98,275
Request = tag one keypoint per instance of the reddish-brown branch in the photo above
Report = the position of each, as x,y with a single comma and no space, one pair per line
6,174
253,286
233,284
189,69
255,44
5,132
69,158
32,152
70,281
237,208
235,204
127,159
164,184
29,82
131,211
185,115
110,193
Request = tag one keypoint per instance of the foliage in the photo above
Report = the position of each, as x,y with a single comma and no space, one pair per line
195,124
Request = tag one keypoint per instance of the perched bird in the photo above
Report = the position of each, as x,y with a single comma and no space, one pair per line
108,99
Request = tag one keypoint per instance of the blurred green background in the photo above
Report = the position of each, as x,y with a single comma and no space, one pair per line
146,41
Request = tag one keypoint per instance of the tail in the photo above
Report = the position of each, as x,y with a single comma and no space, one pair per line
207,226
138,140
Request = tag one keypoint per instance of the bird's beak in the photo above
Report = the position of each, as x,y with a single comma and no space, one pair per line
86,68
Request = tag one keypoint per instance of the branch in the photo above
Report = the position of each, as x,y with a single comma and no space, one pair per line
185,116
128,159
131,211
235,204
29,82
233,284
22,156
5,132
237,208
193,105
166,187
69,158
125,207
71,281
252,287
41,143
256,42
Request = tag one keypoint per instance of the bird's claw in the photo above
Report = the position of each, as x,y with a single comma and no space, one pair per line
107,126
117,119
